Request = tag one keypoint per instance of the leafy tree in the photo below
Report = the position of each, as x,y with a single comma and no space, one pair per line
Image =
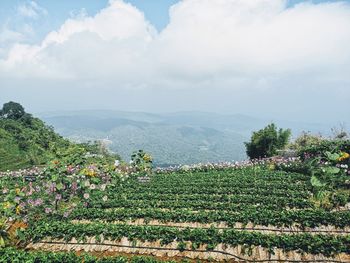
12,110
305,140
266,142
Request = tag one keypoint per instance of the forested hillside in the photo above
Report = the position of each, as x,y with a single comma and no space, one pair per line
25,140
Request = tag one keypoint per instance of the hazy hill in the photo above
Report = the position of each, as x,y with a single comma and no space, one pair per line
173,138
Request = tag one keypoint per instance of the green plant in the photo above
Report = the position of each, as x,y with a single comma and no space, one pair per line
306,140
12,110
4,236
142,161
266,142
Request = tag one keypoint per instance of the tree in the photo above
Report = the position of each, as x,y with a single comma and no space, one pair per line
266,142
305,140
12,110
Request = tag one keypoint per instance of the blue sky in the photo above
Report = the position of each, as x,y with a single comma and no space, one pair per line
302,57
156,11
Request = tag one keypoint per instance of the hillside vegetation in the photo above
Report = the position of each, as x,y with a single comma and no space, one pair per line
25,140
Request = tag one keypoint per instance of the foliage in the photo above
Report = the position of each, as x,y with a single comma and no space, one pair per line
266,142
4,236
317,150
265,216
83,195
12,110
328,164
142,162
14,255
306,140
327,245
24,140
60,187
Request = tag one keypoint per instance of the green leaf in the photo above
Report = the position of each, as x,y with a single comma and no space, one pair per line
332,170
54,177
315,182
2,242
332,156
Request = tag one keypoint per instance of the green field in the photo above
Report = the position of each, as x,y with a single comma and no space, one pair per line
216,215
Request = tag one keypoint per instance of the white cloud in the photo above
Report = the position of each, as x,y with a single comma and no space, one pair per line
8,35
110,39
238,45
255,37
31,9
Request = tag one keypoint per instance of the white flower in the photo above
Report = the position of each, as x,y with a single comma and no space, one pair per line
86,196
92,187
103,187
116,163
105,198
87,183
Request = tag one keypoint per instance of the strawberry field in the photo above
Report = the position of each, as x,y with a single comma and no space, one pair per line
239,213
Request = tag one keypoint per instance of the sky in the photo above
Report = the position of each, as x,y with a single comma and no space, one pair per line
283,59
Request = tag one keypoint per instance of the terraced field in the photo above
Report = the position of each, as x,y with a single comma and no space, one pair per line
236,215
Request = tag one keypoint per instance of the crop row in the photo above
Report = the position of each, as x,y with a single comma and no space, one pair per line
225,176
188,182
236,203
219,197
326,245
10,255
280,218
212,189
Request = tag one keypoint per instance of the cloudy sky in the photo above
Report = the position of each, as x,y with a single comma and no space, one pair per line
267,58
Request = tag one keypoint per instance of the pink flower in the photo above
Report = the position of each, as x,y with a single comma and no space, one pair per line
74,186
38,202
86,195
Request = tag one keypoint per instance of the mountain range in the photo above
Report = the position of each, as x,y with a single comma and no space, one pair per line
171,138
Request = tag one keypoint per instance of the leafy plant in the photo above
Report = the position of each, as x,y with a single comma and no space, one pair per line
266,142
4,236
142,162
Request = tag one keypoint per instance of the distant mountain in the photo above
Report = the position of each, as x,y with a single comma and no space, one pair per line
172,138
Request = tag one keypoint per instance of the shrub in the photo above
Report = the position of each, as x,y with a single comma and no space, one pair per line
266,142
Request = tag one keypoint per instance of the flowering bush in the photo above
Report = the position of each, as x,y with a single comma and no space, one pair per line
57,188
141,162
273,162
